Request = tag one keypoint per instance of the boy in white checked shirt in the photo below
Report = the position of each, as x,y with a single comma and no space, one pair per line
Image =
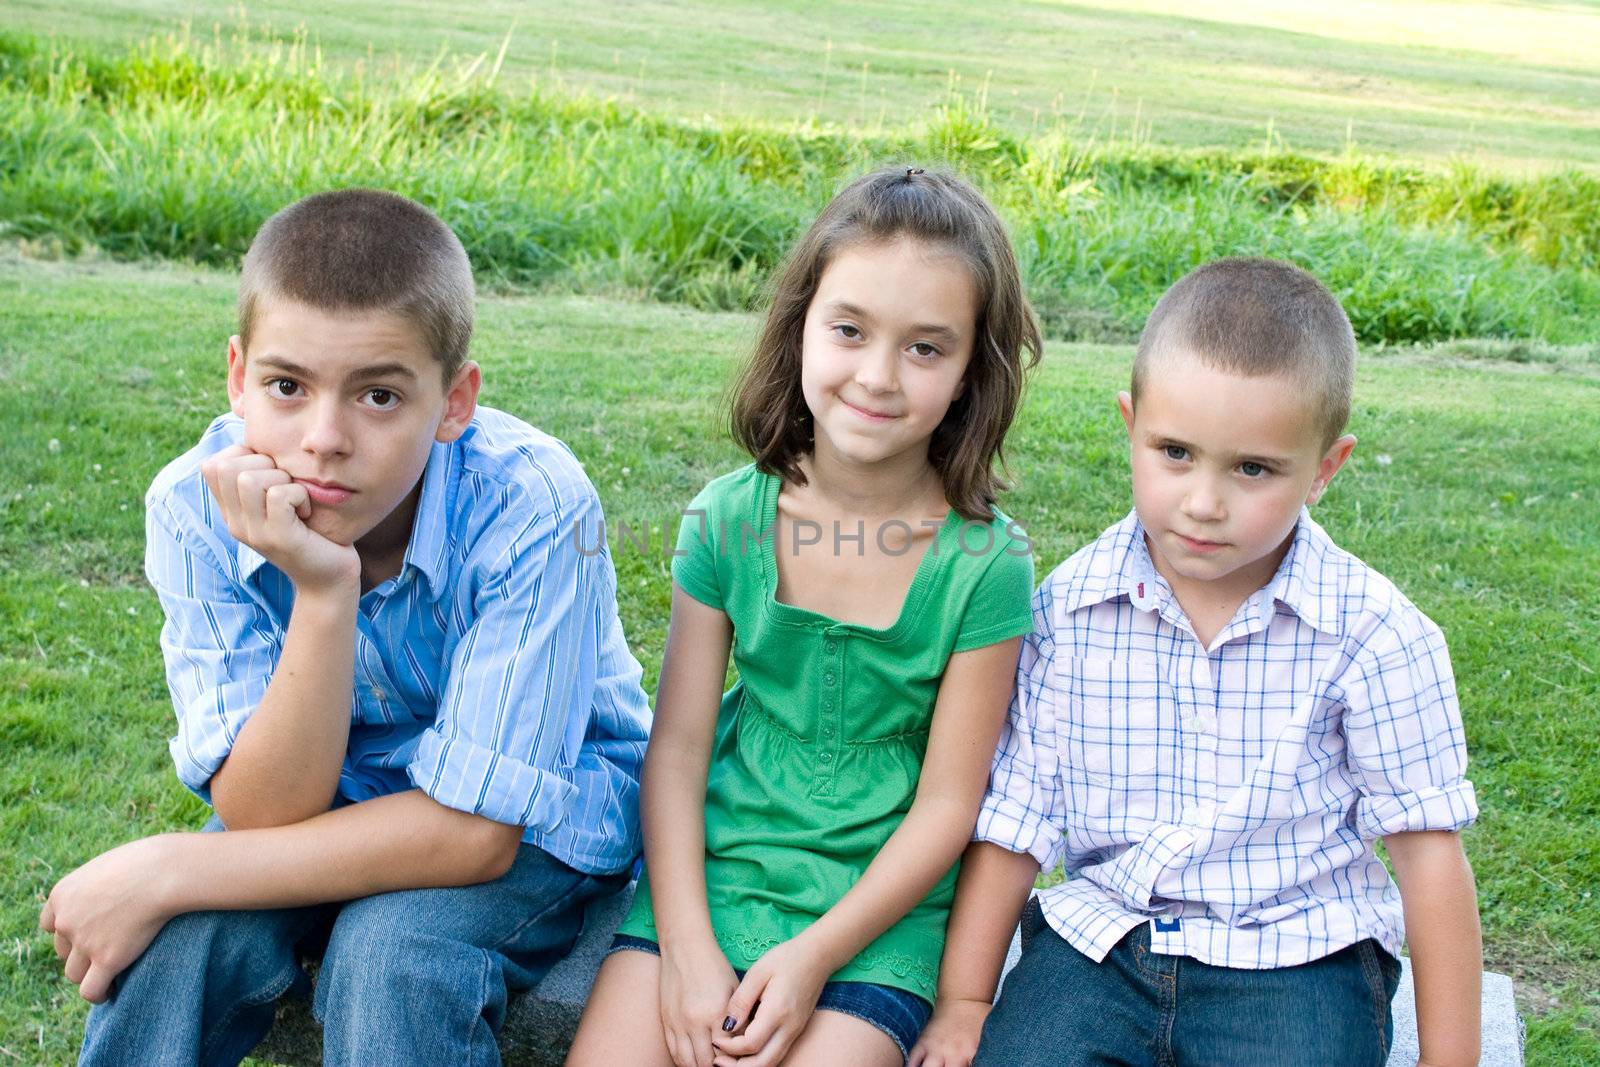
1218,715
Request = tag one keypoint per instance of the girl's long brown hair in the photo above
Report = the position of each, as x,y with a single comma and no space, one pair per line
769,414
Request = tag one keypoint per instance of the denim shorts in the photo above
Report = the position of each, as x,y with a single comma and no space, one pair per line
896,1012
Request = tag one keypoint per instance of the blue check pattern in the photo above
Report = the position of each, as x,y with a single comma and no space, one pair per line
1229,796
491,672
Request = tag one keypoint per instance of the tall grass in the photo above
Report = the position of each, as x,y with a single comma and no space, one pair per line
179,149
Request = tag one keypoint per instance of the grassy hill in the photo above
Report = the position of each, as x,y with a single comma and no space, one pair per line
1515,86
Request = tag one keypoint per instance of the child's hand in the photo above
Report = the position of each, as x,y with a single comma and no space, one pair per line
106,913
696,981
266,510
951,1037
782,990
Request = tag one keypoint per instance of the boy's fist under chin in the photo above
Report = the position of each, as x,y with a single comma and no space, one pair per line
266,510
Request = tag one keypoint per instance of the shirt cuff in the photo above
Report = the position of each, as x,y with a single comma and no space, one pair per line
468,777
1004,822
1447,807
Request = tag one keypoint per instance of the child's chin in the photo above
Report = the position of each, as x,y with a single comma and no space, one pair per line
332,526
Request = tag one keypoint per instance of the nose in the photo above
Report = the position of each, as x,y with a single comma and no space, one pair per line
878,371
1203,500
325,431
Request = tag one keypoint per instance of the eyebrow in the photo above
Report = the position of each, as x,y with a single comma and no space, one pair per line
369,373
934,329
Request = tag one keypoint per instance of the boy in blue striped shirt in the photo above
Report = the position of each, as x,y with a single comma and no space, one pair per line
400,683
1218,714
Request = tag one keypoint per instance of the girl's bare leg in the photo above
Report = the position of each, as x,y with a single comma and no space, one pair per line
621,1024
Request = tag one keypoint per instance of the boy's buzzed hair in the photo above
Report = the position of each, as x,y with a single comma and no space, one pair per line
1257,317
364,250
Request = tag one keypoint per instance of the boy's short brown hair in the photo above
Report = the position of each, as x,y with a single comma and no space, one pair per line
1257,317
364,250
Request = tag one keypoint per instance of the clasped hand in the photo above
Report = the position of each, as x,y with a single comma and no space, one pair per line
710,1018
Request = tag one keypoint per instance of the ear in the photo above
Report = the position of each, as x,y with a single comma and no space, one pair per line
236,375
460,402
1332,460
1125,406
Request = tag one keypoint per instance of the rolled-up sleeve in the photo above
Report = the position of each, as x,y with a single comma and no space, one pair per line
1022,809
516,705
1406,748
220,647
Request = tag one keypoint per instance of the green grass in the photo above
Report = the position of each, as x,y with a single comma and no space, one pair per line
1483,513
1513,85
180,149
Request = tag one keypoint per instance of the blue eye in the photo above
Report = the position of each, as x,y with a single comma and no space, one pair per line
1176,453
1252,470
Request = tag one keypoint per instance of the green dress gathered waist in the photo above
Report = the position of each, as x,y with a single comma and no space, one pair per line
820,743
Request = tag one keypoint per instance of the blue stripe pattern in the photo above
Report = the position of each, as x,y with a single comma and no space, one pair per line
1236,789
491,672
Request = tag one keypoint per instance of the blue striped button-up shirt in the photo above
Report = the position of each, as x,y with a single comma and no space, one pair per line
491,672
1229,796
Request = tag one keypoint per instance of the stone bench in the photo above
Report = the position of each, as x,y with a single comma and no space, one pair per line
540,1024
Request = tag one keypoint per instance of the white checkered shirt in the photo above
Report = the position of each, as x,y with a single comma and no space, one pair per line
1229,796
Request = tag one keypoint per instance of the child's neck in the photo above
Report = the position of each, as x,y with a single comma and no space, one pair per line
383,549
1211,606
903,487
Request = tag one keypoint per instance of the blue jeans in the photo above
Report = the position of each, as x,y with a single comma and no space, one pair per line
419,976
1060,1008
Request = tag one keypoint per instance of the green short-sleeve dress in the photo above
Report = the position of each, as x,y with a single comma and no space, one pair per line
819,744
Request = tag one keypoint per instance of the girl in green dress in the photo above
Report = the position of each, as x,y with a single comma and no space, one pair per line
802,830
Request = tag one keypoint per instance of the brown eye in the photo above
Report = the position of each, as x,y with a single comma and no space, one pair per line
283,387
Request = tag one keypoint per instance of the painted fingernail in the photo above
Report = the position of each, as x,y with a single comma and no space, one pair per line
728,1024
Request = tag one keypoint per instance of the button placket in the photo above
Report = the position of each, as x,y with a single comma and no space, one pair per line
1205,729
831,718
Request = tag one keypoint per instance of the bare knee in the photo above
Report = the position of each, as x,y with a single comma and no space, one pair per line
622,1020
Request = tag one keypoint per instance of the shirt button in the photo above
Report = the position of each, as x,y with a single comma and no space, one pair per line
827,757
827,731
827,679
830,646
377,694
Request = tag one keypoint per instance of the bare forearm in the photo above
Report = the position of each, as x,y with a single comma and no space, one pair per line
909,865
672,811
401,841
1441,911
990,895
284,765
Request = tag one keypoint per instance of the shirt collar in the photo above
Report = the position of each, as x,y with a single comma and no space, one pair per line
427,550
1121,566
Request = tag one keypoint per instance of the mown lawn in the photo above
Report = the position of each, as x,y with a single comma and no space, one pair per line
1474,487
1513,85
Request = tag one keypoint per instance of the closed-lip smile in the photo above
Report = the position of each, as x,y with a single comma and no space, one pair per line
868,413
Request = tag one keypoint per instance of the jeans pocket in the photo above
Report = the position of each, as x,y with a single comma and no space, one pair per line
1032,921
1382,972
